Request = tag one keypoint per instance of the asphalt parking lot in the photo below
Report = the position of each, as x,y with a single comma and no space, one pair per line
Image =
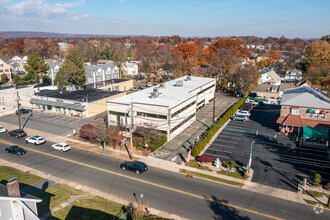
51,123
276,160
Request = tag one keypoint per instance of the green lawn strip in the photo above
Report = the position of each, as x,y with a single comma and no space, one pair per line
95,208
54,196
217,179
310,202
232,174
314,193
23,178
195,164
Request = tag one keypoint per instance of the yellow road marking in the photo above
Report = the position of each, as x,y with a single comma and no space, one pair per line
146,182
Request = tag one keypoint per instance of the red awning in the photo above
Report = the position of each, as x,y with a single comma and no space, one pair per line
322,112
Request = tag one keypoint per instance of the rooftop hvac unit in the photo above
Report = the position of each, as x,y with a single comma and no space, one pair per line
188,78
162,85
179,83
154,95
156,89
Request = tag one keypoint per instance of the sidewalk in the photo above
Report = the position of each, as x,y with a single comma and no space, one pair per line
173,167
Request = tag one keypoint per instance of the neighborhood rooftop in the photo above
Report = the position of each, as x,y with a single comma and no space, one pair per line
170,95
78,95
104,83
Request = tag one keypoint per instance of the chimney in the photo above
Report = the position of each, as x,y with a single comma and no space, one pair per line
292,86
13,188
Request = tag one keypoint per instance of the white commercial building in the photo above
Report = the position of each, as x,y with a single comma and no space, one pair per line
169,107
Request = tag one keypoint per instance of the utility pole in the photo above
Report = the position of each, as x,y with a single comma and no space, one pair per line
18,112
131,129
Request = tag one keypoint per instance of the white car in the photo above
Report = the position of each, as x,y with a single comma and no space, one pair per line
2,129
246,113
36,140
251,101
61,146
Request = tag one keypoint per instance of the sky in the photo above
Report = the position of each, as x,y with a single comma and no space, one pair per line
187,18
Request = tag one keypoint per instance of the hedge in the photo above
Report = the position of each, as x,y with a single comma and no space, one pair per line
206,139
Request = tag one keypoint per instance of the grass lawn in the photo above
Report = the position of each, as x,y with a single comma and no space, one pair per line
310,202
217,179
314,193
24,179
232,174
195,164
54,196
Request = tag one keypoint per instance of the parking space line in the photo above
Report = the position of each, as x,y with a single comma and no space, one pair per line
222,146
217,140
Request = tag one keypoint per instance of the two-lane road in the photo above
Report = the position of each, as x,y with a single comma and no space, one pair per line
172,192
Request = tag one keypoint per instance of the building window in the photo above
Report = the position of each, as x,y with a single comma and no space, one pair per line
315,115
6,70
117,88
28,94
322,115
143,114
309,115
1,71
184,108
294,111
182,123
2,99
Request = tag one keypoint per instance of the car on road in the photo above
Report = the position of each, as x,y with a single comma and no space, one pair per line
18,133
36,140
15,150
135,166
243,112
240,118
23,111
2,129
61,147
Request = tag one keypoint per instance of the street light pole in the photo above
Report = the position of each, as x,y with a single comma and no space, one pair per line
250,160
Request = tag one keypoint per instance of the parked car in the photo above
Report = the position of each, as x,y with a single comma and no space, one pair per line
243,112
2,129
23,111
61,146
135,166
15,150
18,133
252,105
240,118
252,102
246,108
36,140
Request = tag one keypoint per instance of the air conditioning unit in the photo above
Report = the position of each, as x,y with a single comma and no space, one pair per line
156,89
154,95
162,85
188,78
179,83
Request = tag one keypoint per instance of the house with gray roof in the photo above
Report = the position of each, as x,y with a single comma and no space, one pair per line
100,73
53,69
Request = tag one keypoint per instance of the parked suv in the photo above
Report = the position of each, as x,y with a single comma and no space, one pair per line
18,133
23,111
135,166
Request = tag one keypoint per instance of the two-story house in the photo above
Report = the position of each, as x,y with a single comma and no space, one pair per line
100,73
130,69
305,112
53,69
292,76
270,78
5,69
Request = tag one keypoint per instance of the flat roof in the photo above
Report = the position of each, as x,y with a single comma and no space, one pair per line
170,96
78,95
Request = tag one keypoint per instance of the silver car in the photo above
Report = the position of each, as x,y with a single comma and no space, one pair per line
36,140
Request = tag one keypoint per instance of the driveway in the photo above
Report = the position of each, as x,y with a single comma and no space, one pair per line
276,161
177,149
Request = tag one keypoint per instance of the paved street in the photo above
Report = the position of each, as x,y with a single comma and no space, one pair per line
177,149
188,197
276,161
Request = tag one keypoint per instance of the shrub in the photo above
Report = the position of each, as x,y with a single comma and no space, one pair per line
230,164
317,180
205,158
85,131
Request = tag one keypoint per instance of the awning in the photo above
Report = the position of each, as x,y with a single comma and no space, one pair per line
322,112
316,111
310,110
317,133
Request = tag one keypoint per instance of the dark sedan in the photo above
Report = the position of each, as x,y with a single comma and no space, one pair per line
15,150
23,111
18,133
135,166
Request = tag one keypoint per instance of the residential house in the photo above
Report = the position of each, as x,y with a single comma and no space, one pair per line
15,204
6,69
270,77
82,103
309,84
292,76
112,85
130,69
305,112
53,69
169,107
100,73
8,98
269,91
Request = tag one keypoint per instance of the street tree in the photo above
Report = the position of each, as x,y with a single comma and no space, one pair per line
4,78
16,79
36,68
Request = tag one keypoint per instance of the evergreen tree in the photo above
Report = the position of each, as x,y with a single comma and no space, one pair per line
4,78
36,68
73,70
16,79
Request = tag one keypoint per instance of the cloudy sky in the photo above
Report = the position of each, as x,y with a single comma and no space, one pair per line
291,18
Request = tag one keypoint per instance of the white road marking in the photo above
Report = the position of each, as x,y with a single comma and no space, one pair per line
174,158
217,140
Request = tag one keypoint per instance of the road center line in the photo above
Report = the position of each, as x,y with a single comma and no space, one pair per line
146,182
